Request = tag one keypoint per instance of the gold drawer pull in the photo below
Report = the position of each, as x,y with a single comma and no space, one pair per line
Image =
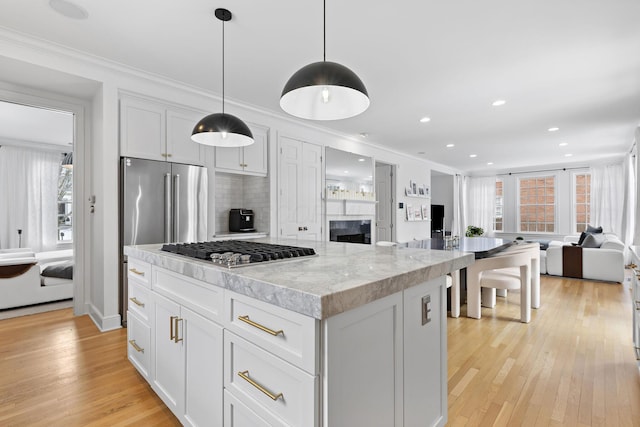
637,305
136,302
134,271
637,353
136,346
246,319
245,376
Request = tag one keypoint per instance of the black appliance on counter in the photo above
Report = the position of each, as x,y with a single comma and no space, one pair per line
241,220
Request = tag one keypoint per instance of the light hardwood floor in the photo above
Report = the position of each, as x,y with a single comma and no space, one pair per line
573,365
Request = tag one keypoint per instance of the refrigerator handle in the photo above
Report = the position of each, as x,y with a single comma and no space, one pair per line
176,207
167,208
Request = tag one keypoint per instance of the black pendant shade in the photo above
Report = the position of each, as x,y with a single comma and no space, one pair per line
222,129
324,91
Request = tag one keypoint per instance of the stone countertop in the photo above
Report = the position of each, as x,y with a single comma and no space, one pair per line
342,276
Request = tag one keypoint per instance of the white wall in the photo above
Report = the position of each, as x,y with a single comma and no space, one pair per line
102,287
442,194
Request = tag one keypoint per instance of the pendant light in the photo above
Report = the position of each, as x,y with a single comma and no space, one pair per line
222,129
324,90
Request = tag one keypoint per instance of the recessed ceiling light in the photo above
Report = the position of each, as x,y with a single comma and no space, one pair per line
568,155
563,144
451,145
553,129
363,134
421,152
346,171
425,120
361,160
473,155
489,163
499,102
68,9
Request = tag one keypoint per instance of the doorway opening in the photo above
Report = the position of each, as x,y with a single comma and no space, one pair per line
385,198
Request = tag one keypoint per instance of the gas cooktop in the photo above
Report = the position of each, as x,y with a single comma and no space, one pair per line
236,253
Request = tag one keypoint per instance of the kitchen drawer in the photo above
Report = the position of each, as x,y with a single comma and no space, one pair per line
237,414
140,300
203,298
292,336
138,340
139,271
281,389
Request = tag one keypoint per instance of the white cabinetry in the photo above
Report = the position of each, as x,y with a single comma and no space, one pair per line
249,160
635,291
299,190
139,316
155,131
384,365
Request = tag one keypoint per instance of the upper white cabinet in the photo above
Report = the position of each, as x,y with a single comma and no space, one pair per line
299,190
155,131
249,160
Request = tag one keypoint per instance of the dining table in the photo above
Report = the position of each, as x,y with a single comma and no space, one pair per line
481,247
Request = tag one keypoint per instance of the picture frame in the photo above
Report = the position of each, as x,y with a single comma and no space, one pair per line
421,191
427,192
414,188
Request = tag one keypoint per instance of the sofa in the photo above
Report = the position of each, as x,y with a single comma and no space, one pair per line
605,262
28,278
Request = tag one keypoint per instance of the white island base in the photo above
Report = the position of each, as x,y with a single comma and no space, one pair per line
218,357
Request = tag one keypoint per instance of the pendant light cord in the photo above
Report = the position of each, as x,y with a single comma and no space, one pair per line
222,67
324,30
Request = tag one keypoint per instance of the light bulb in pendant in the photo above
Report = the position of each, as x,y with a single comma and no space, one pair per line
223,134
325,95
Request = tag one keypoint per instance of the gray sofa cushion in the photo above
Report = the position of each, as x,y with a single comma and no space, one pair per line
63,270
593,241
593,230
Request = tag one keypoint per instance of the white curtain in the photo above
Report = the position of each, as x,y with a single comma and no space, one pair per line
481,203
28,198
607,197
459,196
629,202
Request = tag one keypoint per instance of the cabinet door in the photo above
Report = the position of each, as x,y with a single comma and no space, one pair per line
180,147
203,370
229,159
299,190
363,360
255,155
168,362
425,358
142,129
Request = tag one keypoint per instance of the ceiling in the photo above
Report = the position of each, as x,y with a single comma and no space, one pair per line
572,64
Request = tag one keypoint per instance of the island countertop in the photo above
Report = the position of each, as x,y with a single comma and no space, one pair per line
342,276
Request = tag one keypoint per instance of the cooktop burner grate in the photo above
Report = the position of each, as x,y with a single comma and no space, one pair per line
235,253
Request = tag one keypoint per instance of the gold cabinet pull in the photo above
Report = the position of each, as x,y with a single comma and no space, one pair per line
173,326
637,305
246,319
136,302
169,155
245,376
136,346
134,271
637,353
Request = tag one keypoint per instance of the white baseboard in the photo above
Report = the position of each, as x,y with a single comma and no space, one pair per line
103,323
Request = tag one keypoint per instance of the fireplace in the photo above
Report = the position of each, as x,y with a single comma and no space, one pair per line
352,231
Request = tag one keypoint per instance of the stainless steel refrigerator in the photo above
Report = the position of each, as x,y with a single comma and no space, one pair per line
160,202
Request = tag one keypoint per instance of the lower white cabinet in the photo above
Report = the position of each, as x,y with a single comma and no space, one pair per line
219,358
187,363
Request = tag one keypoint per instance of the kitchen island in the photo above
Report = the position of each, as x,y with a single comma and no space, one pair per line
355,335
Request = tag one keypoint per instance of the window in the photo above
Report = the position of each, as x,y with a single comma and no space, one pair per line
65,206
497,223
582,201
537,204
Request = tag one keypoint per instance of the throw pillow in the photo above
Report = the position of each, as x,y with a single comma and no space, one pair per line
593,241
593,230
582,237
60,271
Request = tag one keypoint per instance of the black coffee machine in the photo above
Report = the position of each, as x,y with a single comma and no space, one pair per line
241,220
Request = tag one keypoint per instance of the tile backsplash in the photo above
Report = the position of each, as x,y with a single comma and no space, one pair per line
241,191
